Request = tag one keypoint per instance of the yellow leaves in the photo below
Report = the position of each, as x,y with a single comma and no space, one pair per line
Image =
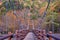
25,4
53,5
37,6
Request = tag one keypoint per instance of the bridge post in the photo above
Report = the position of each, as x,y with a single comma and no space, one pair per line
17,35
50,38
44,32
10,36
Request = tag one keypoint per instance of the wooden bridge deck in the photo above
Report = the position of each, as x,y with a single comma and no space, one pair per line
26,34
30,36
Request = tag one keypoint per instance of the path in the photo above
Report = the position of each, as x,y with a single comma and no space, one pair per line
30,36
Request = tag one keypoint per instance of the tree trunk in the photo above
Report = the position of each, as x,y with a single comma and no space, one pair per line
33,24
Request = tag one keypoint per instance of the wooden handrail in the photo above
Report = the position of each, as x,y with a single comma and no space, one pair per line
5,37
50,35
9,36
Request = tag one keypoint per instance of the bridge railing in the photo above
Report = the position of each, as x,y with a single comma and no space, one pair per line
49,36
9,36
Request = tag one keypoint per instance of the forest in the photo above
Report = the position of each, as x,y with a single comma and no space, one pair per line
30,14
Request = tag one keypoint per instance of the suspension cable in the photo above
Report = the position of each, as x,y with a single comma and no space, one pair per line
46,9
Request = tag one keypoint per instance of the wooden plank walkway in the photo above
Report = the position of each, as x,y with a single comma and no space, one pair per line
30,36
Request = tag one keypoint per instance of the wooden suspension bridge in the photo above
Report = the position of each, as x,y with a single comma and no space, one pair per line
27,34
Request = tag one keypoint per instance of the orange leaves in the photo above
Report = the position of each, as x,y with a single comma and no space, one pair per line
52,8
42,10
10,14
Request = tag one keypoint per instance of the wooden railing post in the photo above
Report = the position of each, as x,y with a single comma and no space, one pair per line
17,35
16,32
50,38
10,36
44,32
